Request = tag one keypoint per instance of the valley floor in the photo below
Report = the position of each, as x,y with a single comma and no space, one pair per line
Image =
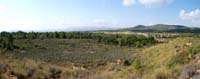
87,59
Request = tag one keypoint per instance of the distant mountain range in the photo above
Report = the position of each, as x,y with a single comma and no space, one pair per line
162,28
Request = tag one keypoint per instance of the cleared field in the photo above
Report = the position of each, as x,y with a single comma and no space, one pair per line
71,51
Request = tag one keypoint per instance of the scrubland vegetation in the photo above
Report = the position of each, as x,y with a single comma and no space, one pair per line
87,55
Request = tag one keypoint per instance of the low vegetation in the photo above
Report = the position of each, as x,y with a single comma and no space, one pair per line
87,55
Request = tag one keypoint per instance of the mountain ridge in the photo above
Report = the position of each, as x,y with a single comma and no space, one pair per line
162,28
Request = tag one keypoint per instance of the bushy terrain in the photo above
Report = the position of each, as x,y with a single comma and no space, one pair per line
77,57
60,55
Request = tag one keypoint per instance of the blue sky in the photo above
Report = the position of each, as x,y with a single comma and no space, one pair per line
69,15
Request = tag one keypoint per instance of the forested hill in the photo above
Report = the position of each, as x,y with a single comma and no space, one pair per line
162,28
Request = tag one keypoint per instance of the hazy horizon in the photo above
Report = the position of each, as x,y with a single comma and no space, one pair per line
82,15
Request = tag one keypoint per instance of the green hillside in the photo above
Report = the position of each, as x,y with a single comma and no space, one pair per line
167,61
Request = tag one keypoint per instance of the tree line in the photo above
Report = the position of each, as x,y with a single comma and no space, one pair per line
7,38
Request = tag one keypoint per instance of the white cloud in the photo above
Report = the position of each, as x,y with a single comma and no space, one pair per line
154,2
147,3
193,16
2,8
128,2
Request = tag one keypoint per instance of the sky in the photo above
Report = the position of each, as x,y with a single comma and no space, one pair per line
75,15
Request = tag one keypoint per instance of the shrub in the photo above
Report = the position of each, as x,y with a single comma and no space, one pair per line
127,63
3,68
31,71
162,76
55,73
137,64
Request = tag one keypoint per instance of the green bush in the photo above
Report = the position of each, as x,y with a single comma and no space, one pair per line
137,64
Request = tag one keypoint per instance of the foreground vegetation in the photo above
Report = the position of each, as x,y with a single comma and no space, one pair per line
86,55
